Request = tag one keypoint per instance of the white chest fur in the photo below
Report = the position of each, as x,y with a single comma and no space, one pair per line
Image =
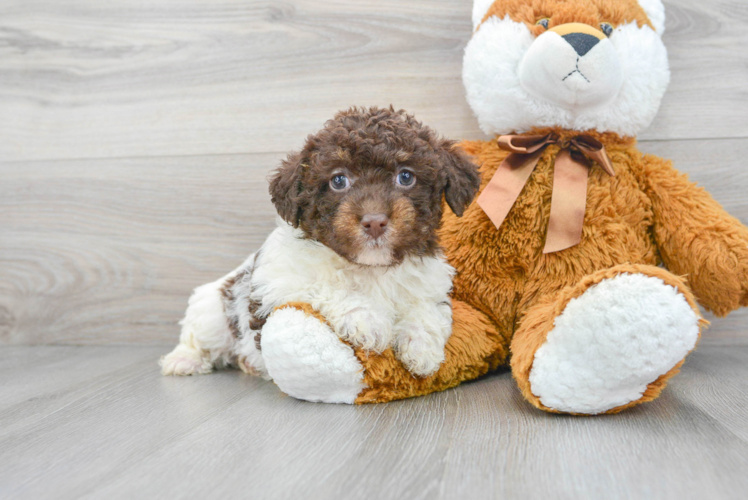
289,268
406,306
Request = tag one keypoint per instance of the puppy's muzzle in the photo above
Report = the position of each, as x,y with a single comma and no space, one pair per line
375,224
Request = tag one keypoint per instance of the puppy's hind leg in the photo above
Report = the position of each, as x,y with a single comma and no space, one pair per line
206,340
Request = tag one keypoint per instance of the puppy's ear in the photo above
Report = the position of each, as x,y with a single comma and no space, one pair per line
286,187
460,176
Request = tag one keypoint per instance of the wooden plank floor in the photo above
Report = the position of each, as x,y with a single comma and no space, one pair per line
99,422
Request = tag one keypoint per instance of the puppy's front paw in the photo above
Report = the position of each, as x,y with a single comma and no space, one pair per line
366,328
421,352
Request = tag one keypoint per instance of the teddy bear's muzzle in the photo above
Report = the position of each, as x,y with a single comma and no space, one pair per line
582,37
572,65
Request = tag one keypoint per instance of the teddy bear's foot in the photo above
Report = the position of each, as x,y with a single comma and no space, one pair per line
307,360
617,339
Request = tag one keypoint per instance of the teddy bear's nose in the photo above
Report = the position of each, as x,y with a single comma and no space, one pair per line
582,42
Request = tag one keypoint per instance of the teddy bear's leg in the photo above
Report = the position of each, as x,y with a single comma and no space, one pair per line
610,342
307,360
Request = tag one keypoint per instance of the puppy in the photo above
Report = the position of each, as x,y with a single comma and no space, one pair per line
359,210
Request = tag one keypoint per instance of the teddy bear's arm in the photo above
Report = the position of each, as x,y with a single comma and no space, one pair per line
697,238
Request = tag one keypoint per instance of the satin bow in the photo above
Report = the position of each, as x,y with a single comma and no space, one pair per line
571,170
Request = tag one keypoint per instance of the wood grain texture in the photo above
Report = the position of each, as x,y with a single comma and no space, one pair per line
99,422
85,78
107,251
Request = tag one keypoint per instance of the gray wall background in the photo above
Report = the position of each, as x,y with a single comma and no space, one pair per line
136,137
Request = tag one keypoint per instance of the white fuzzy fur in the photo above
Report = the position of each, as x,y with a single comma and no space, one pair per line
491,74
656,12
205,340
480,7
248,357
308,361
406,306
375,256
611,342
553,71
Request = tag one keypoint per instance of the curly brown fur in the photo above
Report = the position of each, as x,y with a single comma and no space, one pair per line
371,147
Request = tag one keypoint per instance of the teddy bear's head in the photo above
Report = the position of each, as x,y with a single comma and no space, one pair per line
576,64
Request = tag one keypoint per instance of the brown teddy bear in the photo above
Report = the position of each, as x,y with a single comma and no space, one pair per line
560,259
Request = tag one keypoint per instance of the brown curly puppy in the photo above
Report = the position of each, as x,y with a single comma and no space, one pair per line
361,204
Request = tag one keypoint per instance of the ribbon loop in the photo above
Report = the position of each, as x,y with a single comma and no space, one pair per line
571,171
525,144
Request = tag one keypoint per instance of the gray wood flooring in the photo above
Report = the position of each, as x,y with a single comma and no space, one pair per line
135,139
99,422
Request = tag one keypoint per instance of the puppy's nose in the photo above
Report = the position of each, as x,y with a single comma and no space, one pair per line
375,224
582,37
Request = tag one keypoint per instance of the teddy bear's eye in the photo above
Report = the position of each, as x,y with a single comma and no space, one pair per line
544,22
607,28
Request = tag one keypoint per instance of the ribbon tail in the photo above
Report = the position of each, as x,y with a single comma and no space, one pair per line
568,203
505,186
595,151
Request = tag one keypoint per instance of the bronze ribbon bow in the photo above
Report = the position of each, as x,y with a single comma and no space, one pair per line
571,170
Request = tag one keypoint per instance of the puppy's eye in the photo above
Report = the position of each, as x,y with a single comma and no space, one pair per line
339,182
606,28
406,178
545,22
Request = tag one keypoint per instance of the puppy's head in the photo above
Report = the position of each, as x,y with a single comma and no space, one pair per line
369,185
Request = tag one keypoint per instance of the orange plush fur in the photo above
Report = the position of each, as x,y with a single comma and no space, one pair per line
592,12
503,273
507,293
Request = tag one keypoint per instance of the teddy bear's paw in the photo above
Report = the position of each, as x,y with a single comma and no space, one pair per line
308,361
611,342
366,328
184,360
421,352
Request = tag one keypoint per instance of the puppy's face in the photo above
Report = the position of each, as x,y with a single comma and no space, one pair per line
370,186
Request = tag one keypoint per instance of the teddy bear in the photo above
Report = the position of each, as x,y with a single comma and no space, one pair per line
582,262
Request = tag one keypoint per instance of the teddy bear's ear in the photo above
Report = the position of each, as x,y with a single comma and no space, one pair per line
286,186
459,176
480,7
656,13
